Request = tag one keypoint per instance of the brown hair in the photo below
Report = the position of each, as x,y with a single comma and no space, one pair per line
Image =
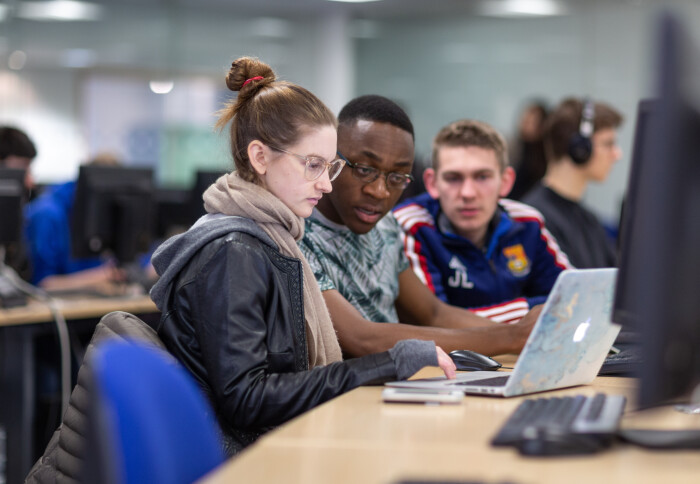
565,121
465,133
274,112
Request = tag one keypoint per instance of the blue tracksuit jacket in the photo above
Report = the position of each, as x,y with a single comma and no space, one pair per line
515,271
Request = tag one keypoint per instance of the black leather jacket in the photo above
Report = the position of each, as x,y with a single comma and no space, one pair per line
234,316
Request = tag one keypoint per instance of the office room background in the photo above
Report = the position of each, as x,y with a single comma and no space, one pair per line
142,79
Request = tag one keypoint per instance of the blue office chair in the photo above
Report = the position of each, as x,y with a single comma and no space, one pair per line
150,421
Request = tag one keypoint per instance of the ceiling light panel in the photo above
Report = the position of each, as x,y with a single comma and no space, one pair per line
59,10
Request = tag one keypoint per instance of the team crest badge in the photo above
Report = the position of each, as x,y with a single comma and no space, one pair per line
518,263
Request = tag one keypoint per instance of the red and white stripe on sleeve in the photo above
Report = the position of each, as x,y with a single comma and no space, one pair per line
411,218
508,312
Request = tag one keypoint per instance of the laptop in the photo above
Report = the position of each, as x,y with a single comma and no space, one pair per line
567,345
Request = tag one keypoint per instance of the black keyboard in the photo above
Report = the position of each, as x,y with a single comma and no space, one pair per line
562,425
10,296
624,363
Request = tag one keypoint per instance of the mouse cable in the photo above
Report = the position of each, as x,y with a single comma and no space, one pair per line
60,322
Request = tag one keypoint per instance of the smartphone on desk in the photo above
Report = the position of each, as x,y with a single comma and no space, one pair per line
421,395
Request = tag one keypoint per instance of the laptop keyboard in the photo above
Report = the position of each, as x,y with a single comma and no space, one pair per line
496,381
597,416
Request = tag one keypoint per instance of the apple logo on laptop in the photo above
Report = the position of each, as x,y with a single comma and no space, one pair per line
580,332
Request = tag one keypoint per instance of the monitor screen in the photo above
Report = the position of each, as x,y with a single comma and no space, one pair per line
12,197
203,179
172,212
659,278
112,212
625,311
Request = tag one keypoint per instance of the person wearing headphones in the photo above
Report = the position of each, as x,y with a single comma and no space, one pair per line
581,146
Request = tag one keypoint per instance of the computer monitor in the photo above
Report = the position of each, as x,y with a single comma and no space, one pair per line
625,310
172,212
12,197
112,212
203,179
659,277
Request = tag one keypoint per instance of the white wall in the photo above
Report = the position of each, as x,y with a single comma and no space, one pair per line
43,103
74,114
484,68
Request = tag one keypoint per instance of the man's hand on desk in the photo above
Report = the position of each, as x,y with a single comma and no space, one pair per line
521,329
446,364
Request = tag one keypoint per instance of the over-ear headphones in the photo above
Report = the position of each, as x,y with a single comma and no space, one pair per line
580,145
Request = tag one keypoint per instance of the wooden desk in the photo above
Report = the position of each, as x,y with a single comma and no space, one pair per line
356,438
20,327
76,308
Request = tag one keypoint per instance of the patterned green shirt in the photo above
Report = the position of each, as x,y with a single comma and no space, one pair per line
363,268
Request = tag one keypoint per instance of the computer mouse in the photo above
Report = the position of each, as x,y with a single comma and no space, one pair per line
466,360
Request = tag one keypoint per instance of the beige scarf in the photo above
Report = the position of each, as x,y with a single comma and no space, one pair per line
232,195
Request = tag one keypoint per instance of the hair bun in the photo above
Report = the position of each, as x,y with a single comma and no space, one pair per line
245,68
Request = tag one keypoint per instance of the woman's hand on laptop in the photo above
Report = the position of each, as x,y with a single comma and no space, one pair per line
446,364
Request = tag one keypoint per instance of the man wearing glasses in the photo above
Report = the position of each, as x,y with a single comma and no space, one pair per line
471,247
357,253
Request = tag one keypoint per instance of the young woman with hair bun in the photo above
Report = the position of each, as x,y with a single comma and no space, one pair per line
241,309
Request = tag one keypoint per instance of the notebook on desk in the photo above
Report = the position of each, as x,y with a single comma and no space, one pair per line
567,345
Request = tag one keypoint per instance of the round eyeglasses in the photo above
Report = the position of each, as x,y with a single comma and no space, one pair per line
315,165
367,174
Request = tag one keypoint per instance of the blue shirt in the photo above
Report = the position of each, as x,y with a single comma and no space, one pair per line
47,232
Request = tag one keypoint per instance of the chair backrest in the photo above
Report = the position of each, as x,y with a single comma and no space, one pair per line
149,420
117,325
64,458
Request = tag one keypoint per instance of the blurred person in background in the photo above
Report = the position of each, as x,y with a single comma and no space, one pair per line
17,151
48,236
527,149
581,146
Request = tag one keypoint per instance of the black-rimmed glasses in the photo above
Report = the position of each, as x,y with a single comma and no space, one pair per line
367,174
314,165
